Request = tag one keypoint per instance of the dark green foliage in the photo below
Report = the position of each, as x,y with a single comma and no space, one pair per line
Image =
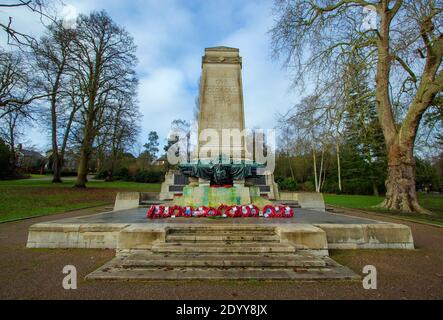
122,174
153,175
427,177
152,147
102,175
364,162
5,160
287,184
308,186
149,176
362,175
331,186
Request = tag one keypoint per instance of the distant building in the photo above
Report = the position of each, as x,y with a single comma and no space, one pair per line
30,160
70,163
161,162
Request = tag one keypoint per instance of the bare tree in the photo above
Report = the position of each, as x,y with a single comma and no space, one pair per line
404,54
17,88
120,131
286,141
14,36
54,64
311,124
181,133
16,96
9,128
105,58
12,127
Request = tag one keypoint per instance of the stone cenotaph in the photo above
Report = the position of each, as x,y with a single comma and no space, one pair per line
233,177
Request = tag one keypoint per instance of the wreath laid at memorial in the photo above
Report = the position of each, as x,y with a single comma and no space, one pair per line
245,211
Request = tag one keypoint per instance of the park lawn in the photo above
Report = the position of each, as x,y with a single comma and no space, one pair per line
432,202
40,176
33,198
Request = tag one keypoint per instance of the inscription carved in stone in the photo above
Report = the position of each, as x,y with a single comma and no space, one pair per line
222,91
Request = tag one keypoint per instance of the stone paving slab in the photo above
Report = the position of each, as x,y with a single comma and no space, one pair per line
113,270
217,237
302,216
236,248
200,260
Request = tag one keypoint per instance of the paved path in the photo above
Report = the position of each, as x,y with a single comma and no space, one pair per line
37,274
302,216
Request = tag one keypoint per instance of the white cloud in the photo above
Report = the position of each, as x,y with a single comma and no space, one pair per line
164,98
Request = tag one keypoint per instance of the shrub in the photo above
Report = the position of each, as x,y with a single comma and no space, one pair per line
152,175
358,187
122,174
308,186
149,176
287,184
279,179
101,175
331,187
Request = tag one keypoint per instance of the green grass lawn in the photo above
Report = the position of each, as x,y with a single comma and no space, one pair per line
32,198
40,176
433,202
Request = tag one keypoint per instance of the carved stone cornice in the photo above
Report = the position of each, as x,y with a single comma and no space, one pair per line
223,60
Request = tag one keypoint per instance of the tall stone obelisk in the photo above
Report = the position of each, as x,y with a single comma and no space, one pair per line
221,111
221,99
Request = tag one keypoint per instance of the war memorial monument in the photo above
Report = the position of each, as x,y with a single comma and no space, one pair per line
221,217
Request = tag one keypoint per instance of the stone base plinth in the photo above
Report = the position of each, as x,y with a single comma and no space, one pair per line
370,236
306,200
214,197
126,201
174,184
74,235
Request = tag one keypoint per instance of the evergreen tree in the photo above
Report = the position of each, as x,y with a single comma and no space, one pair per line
152,147
365,162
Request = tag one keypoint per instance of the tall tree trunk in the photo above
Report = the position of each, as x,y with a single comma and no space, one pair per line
86,149
375,188
82,173
290,168
339,168
57,168
13,158
324,177
110,177
65,143
57,161
12,125
85,155
401,184
315,169
320,182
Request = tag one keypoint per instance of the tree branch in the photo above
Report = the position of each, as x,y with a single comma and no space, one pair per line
406,67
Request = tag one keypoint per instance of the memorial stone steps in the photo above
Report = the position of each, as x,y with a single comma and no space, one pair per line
222,252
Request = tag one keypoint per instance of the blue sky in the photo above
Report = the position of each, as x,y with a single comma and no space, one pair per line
171,36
